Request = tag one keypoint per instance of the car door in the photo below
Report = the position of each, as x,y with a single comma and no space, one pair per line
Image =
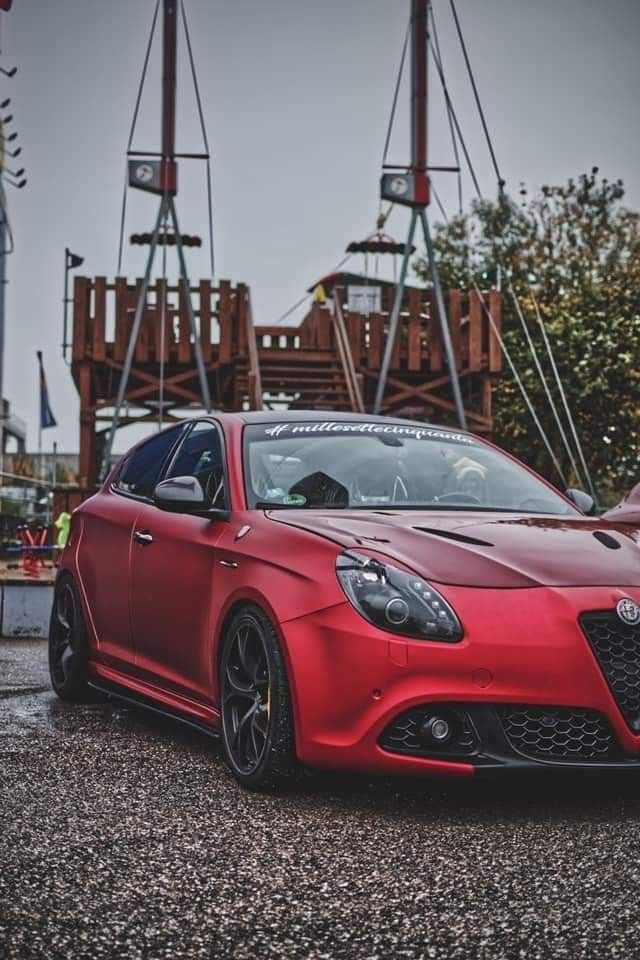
173,576
107,524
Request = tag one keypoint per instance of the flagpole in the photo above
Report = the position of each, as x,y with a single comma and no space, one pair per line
40,470
40,473
46,418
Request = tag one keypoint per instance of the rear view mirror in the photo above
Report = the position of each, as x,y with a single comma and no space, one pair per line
582,500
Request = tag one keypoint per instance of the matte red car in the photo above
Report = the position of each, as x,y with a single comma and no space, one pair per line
356,593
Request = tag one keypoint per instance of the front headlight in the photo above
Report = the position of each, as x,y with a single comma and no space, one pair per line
397,601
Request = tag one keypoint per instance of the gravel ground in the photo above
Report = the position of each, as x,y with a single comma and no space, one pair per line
123,836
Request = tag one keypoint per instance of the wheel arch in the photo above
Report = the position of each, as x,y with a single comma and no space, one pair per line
233,607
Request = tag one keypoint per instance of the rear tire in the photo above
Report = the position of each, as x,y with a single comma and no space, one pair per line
255,703
68,644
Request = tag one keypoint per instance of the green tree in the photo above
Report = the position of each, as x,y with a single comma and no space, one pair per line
574,250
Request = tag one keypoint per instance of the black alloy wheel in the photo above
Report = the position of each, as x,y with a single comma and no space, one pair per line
257,731
68,648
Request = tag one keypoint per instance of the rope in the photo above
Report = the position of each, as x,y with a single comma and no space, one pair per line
134,122
476,95
302,299
514,371
394,105
563,396
203,129
452,131
501,183
438,201
523,389
503,347
163,318
452,113
536,360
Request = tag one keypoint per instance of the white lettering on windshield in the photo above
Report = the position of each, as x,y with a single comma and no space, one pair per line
331,426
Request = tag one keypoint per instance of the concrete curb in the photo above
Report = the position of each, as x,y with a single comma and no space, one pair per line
25,608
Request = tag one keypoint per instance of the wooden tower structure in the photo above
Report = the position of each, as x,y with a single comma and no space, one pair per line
330,361
150,351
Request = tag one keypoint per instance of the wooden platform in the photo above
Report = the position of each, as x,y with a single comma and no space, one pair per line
330,361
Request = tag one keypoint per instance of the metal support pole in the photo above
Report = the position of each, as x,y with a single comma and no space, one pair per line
169,69
197,346
133,339
444,325
395,315
66,303
419,50
3,286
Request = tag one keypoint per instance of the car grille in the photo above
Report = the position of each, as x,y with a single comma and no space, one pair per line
617,648
403,734
559,733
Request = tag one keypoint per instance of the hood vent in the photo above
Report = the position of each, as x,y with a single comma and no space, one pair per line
456,537
607,540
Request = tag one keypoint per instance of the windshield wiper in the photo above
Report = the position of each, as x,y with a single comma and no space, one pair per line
267,505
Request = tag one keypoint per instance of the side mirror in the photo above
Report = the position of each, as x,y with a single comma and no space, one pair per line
582,500
180,495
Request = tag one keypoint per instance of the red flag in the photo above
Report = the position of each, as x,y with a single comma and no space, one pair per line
5,4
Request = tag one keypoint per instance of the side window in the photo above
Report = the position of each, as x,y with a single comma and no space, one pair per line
200,456
142,467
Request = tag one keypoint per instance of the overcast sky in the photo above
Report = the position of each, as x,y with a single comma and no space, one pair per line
297,96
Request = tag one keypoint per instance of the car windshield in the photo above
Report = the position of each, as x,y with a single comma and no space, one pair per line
363,464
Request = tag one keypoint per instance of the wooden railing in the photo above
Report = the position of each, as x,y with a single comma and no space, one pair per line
418,347
103,316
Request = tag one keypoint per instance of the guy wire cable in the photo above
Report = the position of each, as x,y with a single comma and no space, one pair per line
134,121
205,138
454,142
512,291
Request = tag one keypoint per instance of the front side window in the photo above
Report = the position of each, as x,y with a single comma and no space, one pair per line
376,465
200,455
142,467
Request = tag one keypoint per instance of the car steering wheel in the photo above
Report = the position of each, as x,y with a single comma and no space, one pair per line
399,486
461,498
534,503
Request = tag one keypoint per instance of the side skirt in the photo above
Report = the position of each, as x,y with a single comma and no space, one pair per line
203,719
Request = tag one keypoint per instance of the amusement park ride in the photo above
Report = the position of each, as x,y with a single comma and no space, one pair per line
149,350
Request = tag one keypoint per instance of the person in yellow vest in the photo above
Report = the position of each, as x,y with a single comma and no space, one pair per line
62,524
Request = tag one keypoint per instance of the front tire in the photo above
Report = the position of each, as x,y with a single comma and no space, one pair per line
68,645
255,703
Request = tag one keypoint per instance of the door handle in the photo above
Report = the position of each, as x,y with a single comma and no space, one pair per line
141,536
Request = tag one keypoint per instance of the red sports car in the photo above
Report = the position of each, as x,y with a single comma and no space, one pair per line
357,593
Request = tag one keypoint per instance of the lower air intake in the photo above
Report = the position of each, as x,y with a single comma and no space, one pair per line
403,735
559,733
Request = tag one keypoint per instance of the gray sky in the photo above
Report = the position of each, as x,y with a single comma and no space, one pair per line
297,96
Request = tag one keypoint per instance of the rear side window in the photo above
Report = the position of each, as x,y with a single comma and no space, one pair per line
143,466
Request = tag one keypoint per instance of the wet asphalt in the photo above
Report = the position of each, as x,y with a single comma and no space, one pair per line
122,835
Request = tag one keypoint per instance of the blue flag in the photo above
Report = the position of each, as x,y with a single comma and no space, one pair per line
47,418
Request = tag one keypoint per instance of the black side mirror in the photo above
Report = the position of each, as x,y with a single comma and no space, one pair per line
185,495
582,500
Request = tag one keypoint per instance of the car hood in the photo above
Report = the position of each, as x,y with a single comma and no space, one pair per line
486,550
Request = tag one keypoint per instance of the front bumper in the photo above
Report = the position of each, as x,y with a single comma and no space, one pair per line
521,647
